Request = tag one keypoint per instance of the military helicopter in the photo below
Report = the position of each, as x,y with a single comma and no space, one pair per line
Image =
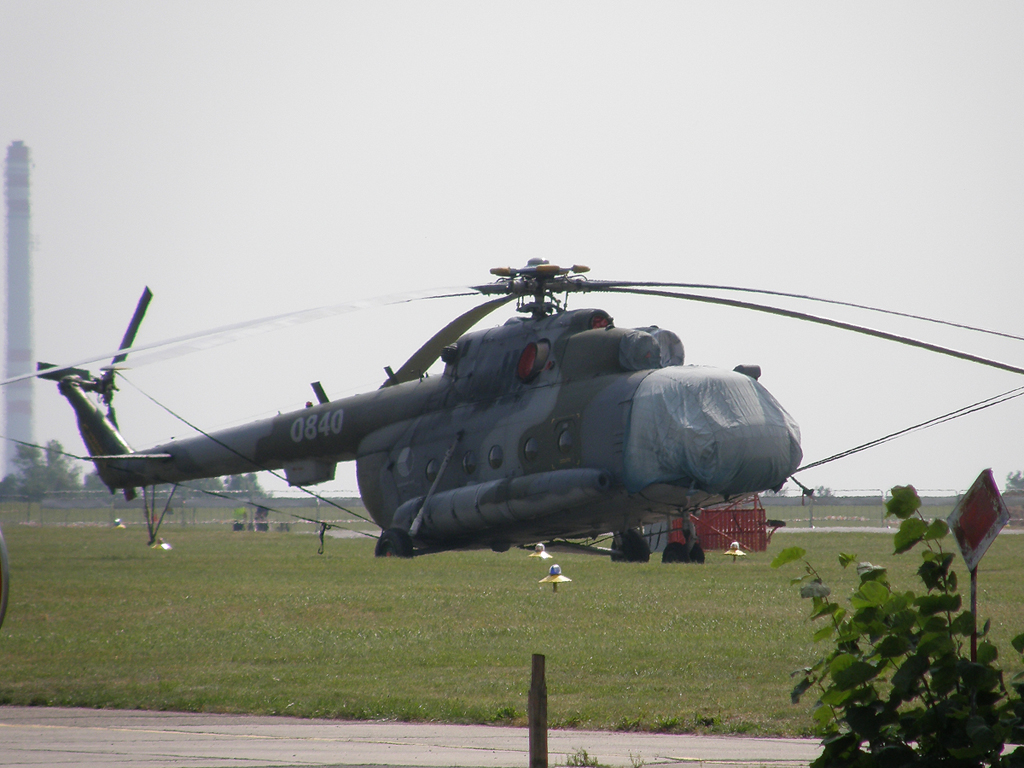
557,426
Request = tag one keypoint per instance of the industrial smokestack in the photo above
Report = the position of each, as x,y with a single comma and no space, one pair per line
18,396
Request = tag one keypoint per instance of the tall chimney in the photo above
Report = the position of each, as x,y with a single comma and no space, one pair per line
18,396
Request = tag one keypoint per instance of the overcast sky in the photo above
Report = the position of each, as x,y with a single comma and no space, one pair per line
249,158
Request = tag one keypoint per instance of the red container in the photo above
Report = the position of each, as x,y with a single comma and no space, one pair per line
719,526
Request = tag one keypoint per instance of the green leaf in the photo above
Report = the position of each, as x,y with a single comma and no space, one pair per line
814,589
1018,643
822,716
824,633
845,560
911,531
935,644
841,662
864,721
856,674
835,696
825,609
937,530
873,593
800,689
931,604
981,734
904,502
907,678
893,646
963,624
788,555
868,571
987,653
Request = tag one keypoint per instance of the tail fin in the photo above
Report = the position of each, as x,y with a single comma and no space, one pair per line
99,431
100,436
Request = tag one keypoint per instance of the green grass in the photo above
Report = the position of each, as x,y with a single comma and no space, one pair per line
245,622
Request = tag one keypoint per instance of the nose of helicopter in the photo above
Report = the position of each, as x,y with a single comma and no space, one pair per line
713,430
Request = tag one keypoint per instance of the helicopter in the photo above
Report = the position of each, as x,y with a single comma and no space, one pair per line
557,426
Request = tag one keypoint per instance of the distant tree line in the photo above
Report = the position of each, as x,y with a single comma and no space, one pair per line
48,472
1015,481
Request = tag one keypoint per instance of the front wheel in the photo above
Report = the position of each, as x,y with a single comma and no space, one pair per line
630,546
394,542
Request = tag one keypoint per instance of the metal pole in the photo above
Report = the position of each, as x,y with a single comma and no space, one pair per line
537,714
5,581
974,612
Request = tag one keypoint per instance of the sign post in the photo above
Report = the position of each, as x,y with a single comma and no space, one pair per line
5,578
976,520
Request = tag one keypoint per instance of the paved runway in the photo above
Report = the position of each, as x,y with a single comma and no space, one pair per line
31,737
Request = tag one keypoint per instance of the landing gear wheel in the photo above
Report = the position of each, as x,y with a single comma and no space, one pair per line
697,554
675,552
631,547
394,542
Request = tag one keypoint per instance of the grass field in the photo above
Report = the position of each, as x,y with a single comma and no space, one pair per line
258,622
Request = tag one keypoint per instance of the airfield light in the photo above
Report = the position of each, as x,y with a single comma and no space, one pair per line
539,551
734,551
554,577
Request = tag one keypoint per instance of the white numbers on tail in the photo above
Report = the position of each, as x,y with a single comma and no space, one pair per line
313,426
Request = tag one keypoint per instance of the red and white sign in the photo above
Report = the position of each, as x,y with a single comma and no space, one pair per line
978,518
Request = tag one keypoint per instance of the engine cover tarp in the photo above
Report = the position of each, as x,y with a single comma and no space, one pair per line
715,430
652,347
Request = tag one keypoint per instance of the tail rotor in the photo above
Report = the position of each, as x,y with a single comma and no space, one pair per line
104,386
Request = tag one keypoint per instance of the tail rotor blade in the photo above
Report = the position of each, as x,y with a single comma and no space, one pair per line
133,326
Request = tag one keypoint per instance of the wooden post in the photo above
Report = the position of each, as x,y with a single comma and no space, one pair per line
537,714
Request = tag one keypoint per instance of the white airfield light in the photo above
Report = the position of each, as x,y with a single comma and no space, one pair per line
735,551
539,551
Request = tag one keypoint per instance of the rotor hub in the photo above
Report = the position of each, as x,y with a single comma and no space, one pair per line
536,285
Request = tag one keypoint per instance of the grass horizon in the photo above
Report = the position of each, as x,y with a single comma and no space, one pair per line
259,623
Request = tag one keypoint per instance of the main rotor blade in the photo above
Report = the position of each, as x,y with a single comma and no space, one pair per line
133,326
599,285
819,320
426,355
194,342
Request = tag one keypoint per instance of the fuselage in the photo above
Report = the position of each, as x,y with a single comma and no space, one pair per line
563,426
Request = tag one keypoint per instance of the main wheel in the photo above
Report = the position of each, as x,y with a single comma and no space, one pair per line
632,547
394,542
675,552
697,553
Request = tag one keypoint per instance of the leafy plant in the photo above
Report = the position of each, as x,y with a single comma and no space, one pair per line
899,687
581,760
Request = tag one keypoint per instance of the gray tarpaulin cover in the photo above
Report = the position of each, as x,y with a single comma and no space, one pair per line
716,430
